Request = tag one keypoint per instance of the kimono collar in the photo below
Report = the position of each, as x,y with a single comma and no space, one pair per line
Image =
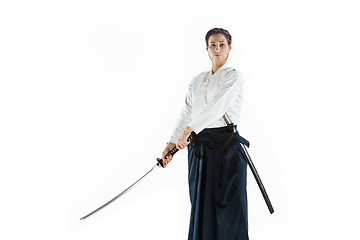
226,65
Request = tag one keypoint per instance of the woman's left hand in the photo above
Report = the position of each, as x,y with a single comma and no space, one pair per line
182,141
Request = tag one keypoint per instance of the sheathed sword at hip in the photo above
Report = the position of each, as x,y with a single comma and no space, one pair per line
258,180
253,169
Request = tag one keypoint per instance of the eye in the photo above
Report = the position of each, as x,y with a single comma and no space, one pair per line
212,45
222,44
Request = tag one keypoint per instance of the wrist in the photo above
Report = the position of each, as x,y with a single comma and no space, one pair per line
188,130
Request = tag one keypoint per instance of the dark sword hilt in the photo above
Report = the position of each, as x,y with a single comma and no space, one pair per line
171,152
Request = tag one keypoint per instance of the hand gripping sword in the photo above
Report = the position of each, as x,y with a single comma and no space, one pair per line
157,165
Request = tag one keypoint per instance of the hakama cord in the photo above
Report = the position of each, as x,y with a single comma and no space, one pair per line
217,185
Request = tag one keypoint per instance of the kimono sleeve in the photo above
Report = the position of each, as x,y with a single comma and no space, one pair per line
185,116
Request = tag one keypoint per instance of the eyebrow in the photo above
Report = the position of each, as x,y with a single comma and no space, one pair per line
220,41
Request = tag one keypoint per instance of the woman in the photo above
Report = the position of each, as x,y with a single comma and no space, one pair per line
217,163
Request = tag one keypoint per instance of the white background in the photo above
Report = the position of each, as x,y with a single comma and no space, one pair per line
90,91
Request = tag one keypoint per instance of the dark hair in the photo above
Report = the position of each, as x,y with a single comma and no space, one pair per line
217,31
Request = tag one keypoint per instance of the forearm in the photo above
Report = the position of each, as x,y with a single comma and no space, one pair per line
187,130
183,139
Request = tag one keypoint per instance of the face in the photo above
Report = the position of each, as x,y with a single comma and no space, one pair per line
218,48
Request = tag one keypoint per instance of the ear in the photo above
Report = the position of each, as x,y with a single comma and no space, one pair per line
229,47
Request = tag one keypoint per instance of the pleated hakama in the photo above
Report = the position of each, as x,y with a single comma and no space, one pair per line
217,186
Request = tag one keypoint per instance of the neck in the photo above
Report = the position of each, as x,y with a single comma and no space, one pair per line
217,65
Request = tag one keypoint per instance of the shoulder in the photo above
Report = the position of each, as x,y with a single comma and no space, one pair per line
232,74
201,75
232,71
199,78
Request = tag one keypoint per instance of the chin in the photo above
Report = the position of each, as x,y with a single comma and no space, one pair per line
219,60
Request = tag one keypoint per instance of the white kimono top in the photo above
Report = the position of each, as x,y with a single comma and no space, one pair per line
209,97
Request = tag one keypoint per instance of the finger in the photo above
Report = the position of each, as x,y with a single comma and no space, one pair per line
165,158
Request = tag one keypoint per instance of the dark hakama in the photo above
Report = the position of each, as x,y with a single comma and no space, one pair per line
217,185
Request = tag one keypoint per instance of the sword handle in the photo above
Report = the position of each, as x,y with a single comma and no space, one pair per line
171,152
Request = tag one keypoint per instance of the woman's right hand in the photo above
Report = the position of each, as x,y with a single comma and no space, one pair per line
169,146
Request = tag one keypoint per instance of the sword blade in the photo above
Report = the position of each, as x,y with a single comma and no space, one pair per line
157,165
